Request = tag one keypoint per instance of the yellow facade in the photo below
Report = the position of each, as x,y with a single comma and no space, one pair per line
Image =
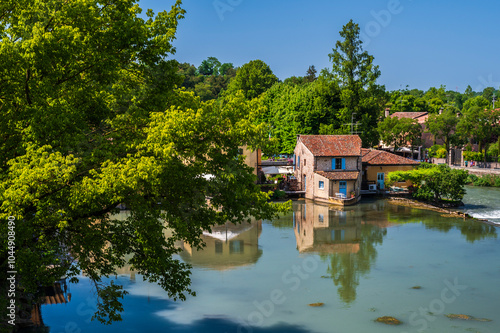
373,170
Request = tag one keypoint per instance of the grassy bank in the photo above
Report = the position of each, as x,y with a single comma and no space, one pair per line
484,180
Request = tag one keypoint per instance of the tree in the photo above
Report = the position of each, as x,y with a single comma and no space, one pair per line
91,119
478,101
478,124
209,66
300,109
400,132
469,93
433,182
311,74
253,79
355,73
442,126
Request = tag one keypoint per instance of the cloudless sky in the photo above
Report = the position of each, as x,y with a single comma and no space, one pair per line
419,43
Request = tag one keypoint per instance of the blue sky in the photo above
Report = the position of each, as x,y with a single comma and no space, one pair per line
419,43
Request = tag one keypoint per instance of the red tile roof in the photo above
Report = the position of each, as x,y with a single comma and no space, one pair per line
380,157
332,145
339,175
412,115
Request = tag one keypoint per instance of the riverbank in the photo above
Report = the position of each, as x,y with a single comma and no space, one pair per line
428,206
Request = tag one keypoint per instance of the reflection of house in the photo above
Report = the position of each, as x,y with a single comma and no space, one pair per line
329,167
227,246
321,229
377,163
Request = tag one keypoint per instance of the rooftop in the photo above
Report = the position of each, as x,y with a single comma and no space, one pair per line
332,145
380,157
339,175
411,115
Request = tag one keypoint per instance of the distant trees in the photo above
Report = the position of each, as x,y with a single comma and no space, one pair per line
442,126
209,79
398,132
306,108
253,78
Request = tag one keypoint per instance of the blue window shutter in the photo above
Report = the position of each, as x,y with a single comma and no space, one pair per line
343,164
333,164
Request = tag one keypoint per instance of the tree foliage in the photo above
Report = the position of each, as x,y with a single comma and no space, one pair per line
442,126
300,109
399,132
91,119
253,78
355,73
433,182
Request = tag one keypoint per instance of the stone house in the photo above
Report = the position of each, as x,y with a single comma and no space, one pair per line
329,167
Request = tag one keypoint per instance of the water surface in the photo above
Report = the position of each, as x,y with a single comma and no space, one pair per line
374,259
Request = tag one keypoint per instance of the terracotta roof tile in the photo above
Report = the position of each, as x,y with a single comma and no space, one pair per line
412,115
380,157
332,145
339,175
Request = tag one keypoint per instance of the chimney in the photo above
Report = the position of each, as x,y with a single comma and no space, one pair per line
387,111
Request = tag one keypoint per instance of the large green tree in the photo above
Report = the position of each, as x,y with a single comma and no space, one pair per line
253,78
400,132
356,75
308,108
91,119
442,126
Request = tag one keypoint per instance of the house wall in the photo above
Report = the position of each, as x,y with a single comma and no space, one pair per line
321,193
309,164
252,158
371,172
305,168
325,163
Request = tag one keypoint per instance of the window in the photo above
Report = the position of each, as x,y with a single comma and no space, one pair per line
236,246
321,218
218,246
298,162
321,185
304,162
338,163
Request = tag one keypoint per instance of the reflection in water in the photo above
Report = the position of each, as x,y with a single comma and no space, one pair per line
341,237
227,246
472,230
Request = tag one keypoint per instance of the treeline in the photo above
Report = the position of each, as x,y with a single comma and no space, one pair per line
346,99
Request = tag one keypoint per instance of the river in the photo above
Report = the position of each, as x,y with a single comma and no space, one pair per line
366,261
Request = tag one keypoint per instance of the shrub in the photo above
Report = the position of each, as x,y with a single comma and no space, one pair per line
473,156
437,151
278,194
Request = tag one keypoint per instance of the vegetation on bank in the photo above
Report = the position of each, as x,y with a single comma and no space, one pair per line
432,183
484,180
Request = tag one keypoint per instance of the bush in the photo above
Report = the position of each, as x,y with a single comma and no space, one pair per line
431,182
485,180
278,194
473,156
437,151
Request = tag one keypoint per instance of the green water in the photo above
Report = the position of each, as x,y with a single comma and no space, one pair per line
361,262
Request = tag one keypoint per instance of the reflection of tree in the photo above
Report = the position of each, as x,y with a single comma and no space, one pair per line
346,268
472,230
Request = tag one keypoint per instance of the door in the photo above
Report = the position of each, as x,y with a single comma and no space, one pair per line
304,183
343,188
380,180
